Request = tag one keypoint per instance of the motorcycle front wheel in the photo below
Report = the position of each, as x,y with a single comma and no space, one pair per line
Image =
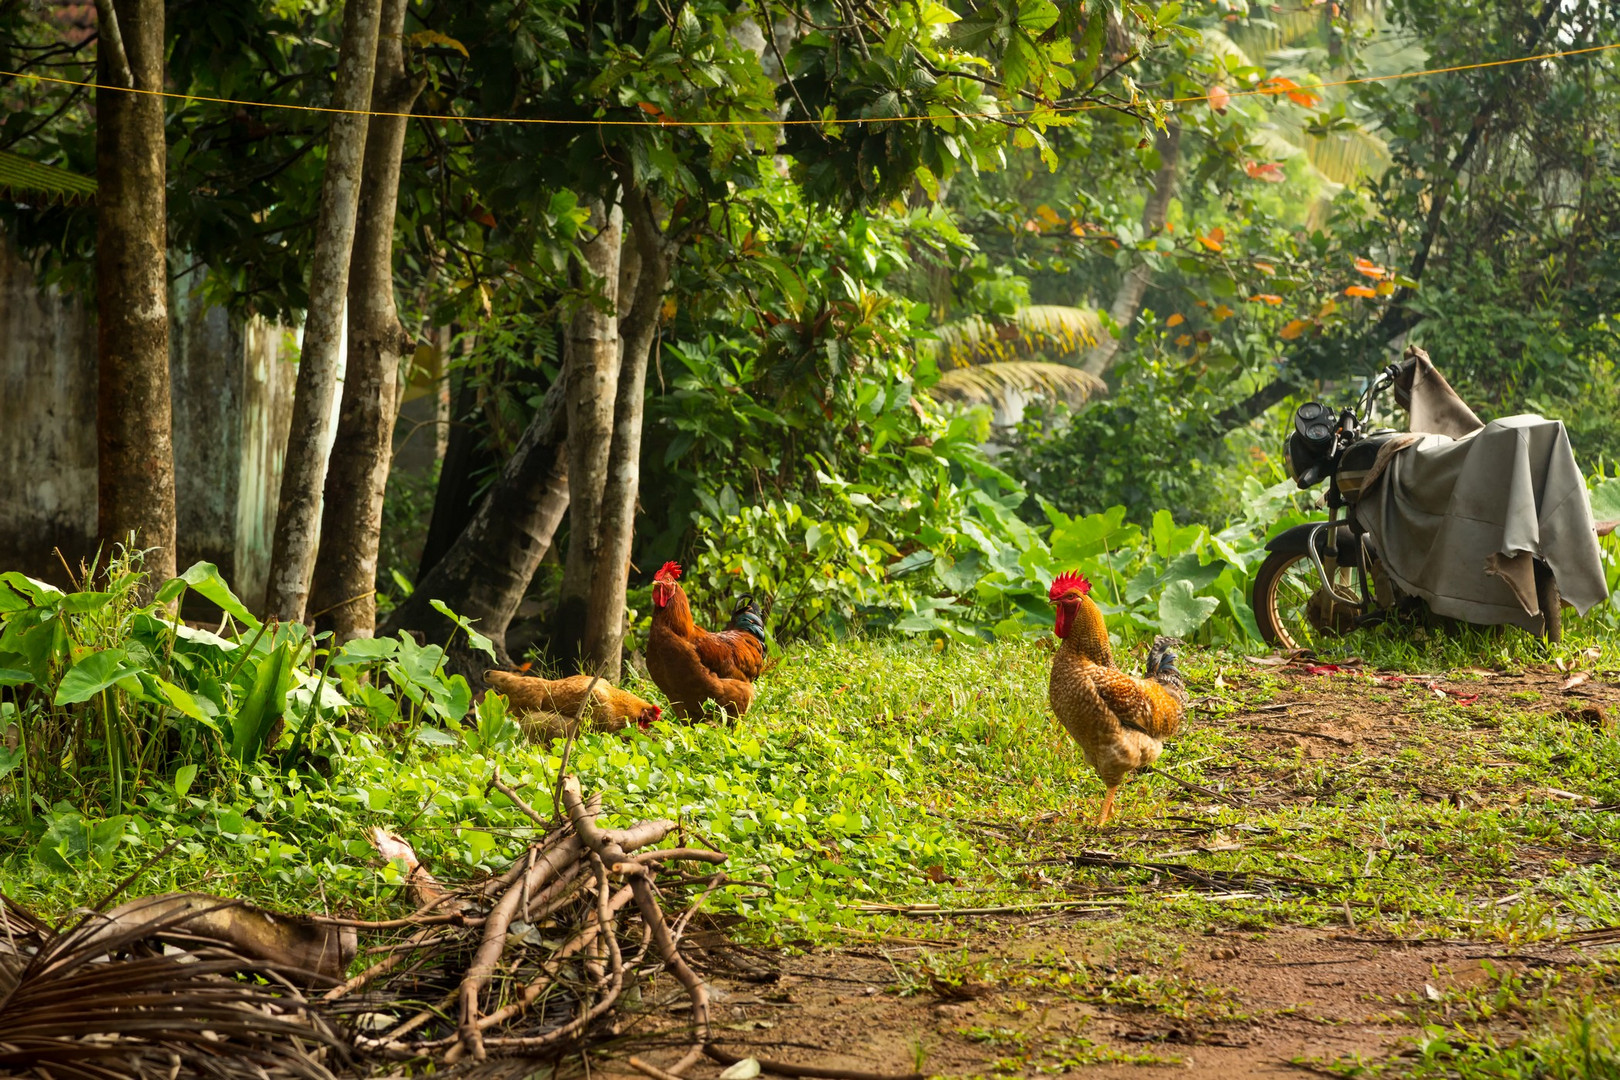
1285,590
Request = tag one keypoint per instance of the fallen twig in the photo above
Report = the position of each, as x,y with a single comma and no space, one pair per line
1297,731
652,917
1003,909
1196,789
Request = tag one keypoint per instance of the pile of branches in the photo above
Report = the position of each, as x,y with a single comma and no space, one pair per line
522,965
528,961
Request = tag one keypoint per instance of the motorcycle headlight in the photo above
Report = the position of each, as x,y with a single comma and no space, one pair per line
1310,444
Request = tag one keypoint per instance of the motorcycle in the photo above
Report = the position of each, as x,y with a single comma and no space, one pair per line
1325,578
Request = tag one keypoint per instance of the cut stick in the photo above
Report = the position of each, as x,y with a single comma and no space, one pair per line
807,1072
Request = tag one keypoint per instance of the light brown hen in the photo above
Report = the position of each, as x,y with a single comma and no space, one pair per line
546,708
1119,721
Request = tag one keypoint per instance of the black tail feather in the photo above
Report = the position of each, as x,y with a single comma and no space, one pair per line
747,618
1161,658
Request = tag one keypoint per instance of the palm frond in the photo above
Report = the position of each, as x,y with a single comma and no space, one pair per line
993,384
1046,332
90,1004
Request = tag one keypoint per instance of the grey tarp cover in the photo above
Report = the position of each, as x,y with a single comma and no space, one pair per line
1457,521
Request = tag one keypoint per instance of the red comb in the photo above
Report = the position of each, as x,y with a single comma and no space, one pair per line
670,571
1068,582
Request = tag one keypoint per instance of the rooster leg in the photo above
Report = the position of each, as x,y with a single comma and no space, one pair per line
1107,811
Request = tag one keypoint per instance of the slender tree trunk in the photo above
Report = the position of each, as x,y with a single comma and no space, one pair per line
1128,300
604,621
485,573
134,435
292,553
590,378
345,582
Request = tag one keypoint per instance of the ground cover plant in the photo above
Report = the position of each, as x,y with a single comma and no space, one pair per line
1442,797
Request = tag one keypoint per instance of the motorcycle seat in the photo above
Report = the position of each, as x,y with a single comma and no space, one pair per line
1357,461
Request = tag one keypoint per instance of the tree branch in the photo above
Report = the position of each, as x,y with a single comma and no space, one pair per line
112,39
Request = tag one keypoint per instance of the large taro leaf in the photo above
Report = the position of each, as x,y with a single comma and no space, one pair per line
1181,610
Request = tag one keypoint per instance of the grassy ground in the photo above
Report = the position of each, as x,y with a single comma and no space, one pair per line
1431,841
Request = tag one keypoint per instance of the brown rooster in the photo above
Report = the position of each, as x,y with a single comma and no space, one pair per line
1119,721
691,665
546,708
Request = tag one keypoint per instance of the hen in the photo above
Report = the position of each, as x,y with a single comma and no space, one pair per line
692,666
1120,721
546,708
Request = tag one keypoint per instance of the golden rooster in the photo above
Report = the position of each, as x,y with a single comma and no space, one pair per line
1119,721
547,708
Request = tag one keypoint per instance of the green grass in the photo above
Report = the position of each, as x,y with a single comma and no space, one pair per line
886,772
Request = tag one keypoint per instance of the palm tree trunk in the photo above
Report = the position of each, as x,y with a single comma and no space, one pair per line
134,433
1128,300
292,553
345,583
590,377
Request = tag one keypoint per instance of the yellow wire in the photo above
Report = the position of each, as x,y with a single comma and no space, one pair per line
1268,91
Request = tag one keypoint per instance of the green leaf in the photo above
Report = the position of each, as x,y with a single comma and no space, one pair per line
69,839
93,674
432,736
19,591
179,699
474,638
203,579
1606,500
183,777
82,603
264,705
1181,611
14,677
361,651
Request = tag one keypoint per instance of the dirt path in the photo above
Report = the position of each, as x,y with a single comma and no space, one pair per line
1063,991
1230,1005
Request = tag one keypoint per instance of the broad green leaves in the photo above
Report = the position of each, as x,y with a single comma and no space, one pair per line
204,580
95,673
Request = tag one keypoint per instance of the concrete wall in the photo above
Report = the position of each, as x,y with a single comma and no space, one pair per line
232,397
47,423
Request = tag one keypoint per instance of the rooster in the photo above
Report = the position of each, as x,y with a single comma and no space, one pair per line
692,666
548,708
1120,721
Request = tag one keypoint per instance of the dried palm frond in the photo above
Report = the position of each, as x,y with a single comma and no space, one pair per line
992,384
97,1002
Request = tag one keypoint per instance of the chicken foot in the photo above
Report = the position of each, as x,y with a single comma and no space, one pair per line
1106,813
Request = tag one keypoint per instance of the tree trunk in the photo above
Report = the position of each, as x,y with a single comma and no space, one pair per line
604,620
1128,300
466,457
485,573
134,434
345,583
292,553
590,378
